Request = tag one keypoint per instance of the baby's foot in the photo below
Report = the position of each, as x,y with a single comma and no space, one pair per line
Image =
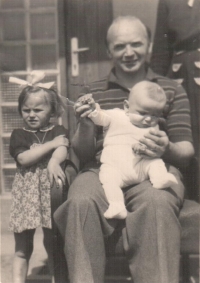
116,210
165,181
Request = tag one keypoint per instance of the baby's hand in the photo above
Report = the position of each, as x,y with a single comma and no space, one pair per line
138,148
84,105
60,141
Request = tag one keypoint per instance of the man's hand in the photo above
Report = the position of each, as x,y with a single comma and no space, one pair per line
55,172
84,105
156,143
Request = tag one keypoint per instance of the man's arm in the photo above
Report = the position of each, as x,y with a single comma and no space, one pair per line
179,154
158,145
84,141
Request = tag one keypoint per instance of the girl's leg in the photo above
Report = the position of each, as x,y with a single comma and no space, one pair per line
23,252
48,244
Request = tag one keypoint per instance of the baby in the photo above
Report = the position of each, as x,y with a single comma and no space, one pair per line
121,162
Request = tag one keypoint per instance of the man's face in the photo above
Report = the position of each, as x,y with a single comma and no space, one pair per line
128,46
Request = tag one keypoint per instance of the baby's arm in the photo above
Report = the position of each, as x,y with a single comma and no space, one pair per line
33,155
98,116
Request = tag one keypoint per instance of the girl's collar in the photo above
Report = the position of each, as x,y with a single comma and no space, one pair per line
46,129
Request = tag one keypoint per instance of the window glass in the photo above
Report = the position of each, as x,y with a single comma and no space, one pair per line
8,179
43,26
43,57
13,26
7,159
10,92
11,119
42,3
13,58
12,4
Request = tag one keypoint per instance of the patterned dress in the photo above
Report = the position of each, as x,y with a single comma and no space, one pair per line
31,187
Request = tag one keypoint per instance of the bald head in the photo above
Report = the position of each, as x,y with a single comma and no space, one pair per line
123,24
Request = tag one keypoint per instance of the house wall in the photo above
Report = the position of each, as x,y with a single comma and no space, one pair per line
143,9
30,42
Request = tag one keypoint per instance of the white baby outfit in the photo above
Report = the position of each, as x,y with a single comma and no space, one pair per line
120,165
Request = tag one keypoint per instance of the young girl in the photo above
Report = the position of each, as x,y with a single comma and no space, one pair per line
38,149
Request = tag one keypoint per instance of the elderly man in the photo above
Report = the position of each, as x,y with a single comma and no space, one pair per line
151,233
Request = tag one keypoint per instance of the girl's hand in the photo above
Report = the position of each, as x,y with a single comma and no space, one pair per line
55,172
60,141
156,143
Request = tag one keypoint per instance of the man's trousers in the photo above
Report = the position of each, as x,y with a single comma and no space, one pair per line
151,234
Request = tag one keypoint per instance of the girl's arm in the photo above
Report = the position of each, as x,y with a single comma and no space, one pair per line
33,155
54,169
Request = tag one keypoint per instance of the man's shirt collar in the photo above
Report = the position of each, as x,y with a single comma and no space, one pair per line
112,80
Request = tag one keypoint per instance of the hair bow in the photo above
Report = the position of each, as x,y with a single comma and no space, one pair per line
36,76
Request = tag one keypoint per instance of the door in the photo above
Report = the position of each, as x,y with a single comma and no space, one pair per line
86,24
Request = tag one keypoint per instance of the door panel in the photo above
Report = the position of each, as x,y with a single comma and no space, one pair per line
88,20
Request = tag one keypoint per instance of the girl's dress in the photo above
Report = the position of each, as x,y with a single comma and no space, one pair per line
31,187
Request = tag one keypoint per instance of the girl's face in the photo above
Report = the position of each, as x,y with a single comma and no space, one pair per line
36,111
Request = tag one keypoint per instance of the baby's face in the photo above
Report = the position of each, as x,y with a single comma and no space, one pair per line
144,112
142,120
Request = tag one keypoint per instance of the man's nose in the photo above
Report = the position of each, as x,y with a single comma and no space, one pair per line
129,50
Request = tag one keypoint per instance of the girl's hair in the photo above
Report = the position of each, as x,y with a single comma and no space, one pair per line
50,95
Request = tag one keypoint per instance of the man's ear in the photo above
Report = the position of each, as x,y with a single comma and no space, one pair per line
150,47
53,114
126,106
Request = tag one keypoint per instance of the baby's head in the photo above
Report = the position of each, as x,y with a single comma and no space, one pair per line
145,104
37,105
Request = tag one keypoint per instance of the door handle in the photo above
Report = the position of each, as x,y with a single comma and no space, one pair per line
74,56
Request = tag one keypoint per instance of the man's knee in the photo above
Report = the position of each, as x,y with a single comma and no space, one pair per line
148,197
165,202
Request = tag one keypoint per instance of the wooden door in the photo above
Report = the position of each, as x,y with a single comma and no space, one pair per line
88,21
